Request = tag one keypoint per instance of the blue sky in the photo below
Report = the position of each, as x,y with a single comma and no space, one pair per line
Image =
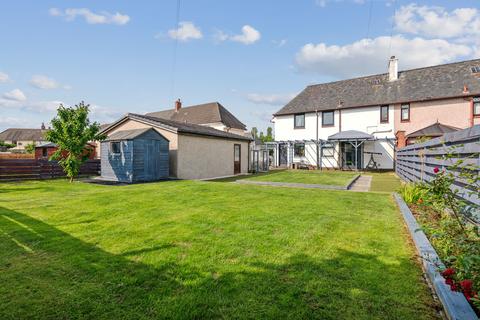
252,56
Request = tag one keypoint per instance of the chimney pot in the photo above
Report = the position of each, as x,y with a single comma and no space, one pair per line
178,105
465,88
43,126
393,69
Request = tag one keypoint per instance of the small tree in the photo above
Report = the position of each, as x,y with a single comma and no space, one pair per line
30,148
71,131
254,132
269,136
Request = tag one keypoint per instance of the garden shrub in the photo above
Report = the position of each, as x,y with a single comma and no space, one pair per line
445,218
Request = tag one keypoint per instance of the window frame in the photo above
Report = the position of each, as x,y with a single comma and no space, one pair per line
388,116
299,145
119,147
476,103
295,121
333,118
401,112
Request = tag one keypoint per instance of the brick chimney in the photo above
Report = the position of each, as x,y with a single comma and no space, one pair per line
401,139
392,69
178,105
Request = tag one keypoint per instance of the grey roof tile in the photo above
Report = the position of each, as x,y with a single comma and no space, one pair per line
21,134
201,114
442,81
181,127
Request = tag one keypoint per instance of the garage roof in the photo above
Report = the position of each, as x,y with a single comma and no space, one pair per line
179,127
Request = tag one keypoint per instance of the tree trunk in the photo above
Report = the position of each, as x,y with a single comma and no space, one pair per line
71,179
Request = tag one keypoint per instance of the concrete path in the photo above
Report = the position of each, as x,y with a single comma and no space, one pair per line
362,184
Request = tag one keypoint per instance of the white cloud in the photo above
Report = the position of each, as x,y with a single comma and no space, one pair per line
90,17
369,56
271,99
4,77
263,115
32,106
186,31
248,36
43,82
432,21
279,43
9,122
15,95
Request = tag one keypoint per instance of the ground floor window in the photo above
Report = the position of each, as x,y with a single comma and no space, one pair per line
476,107
115,147
299,149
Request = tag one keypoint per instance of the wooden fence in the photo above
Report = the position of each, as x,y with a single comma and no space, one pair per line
27,169
416,162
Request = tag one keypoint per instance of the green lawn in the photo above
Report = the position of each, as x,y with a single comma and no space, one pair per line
339,178
197,250
384,181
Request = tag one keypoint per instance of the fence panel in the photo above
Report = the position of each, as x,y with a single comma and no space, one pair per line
416,162
28,169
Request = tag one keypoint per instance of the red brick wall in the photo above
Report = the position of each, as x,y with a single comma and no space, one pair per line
51,150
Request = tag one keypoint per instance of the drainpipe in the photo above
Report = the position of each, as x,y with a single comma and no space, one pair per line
316,140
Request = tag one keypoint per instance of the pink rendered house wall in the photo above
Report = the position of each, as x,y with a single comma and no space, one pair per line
455,112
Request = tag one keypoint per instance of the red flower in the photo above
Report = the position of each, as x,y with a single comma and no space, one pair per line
448,273
466,286
436,170
449,281
420,201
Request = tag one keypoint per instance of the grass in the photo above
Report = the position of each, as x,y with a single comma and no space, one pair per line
195,250
339,178
384,181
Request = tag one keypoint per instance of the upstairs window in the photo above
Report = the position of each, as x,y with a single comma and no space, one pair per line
115,147
299,149
384,114
405,112
328,118
299,121
476,107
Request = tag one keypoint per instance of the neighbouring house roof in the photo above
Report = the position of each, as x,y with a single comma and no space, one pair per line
179,127
104,125
206,113
132,134
21,134
351,135
423,84
434,130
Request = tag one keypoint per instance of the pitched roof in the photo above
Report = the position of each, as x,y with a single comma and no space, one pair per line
442,81
132,134
351,135
179,127
433,130
21,134
201,114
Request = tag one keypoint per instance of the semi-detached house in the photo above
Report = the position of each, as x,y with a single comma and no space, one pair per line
358,123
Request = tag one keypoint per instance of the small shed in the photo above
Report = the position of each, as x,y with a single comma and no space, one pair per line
135,155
